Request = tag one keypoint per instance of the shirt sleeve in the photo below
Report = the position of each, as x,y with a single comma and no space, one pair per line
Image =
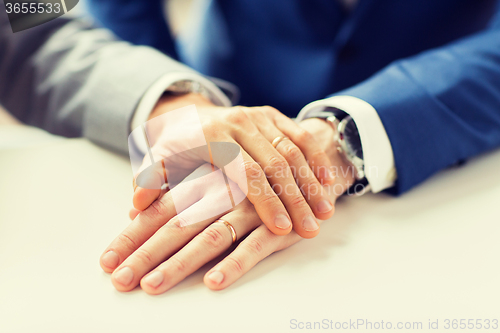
153,94
377,150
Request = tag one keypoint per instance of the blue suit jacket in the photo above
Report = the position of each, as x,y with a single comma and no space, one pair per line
431,68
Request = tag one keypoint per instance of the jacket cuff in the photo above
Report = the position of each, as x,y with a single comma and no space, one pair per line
413,121
132,72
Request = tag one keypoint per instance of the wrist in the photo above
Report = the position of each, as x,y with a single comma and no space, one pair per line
169,102
325,135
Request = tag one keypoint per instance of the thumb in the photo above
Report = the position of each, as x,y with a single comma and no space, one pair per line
148,185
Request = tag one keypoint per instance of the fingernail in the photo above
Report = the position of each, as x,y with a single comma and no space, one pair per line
154,279
281,221
124,276
310,224
331,174
324,206
110,259
216,277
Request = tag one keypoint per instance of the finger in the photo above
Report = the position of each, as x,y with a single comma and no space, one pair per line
313,191
257,246
147,223
165,242
279,175
268,205
144,197
250,178
148,183
142,227
206,246
317,158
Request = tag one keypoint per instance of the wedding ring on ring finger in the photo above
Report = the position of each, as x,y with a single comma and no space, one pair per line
277,140
230,227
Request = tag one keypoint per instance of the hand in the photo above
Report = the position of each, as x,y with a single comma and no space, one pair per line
155,252
272,189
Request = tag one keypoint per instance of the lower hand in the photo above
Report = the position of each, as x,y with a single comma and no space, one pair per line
155,252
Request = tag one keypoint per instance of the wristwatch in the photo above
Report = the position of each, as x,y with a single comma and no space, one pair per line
348,145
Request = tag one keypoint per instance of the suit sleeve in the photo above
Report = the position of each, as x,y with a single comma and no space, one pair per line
440,107
72,79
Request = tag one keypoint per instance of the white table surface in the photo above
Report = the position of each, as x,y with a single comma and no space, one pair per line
432,254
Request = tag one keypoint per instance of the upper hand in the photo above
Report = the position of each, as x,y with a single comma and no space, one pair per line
280,182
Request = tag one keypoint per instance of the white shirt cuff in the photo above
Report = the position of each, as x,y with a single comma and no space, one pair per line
153,94
379,164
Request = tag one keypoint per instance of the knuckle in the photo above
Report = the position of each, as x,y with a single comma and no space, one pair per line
252,170
238,116
318,155
269,109
268,199
176,225
156,209
212,237
212,127
256,114
179,264
236,264
303,135
277,163
255,246
311,189
249,111
292,153
310,185
128,241
156,212
209,124
144,256
298,201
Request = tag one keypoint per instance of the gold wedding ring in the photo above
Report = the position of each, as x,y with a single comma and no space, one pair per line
164,171
230,227
277,141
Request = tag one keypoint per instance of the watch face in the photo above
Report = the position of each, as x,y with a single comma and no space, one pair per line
352,139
